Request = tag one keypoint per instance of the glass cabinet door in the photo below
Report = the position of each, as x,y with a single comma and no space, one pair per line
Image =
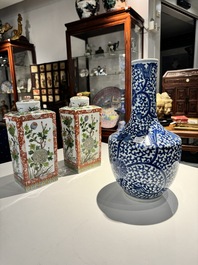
22,62
102,64
15,82
5,86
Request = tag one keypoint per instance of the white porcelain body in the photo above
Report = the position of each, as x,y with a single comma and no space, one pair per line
33,147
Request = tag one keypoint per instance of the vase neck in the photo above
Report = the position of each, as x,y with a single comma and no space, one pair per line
144,77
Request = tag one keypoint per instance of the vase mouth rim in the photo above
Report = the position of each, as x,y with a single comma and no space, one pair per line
145,60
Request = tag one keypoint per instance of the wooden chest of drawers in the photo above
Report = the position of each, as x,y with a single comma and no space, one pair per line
182,87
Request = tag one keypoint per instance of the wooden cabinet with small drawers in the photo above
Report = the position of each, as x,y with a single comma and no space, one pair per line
182,87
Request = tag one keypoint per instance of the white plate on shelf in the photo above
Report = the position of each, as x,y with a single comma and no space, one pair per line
107,97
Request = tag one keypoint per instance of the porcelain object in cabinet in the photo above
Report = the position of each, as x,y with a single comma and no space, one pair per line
87,8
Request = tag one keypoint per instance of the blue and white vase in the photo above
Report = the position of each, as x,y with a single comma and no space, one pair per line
87,8
143,155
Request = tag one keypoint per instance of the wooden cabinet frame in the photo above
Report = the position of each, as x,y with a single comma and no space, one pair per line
182,87
9,46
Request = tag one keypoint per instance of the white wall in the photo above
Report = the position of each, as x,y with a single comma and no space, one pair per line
44,25
45,20
148,9
142,7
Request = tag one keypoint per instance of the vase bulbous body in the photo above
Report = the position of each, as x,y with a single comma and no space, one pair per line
87,8
143,155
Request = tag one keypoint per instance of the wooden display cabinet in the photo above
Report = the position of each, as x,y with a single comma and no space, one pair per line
15,58
182,87
99,52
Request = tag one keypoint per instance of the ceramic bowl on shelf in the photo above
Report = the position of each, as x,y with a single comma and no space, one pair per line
6,87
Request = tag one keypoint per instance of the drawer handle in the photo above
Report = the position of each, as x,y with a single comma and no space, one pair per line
187,80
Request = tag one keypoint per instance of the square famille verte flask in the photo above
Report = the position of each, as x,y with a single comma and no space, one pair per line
33,144
81,134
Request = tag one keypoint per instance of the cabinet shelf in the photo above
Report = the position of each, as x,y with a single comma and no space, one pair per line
105,55
106,76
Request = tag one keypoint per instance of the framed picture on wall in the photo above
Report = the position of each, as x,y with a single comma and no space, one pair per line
50,91
49,79
44,98
55,66
36,92
48,67
42,80
37,98
42,68
62,65
50,98
43,92
50,82
34,69
57,98
56,79
62,76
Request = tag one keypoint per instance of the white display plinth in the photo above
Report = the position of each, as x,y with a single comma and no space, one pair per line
86,219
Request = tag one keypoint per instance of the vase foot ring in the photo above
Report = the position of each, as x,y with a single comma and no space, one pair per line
142,200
